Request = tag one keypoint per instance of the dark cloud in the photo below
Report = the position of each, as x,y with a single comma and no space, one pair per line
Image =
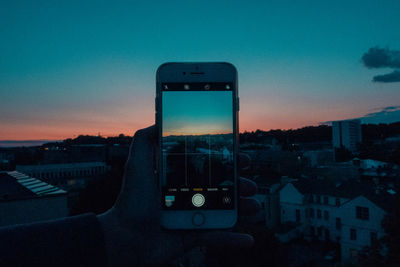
388,78
377,57
388,114
385,115
383,111
391,108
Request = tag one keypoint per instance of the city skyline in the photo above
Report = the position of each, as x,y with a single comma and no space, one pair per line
71,68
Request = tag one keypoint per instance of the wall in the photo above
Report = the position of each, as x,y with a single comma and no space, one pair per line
33,209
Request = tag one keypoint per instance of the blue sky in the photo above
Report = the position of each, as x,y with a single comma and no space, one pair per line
197,113
70,68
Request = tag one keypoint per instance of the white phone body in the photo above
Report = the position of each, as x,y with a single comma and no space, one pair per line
197,109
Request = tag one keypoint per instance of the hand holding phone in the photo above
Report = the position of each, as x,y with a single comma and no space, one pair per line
132,232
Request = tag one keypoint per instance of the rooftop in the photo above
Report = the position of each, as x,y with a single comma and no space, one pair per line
63,165
15,185
347,189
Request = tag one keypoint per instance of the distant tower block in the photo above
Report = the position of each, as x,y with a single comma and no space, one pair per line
346,134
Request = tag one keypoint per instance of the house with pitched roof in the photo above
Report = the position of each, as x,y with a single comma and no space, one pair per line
346,212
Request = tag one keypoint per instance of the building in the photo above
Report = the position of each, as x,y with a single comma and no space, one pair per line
348,213
286,163
24,199
69,176
271,206
7,156
346,134
74,153
268,197
318,157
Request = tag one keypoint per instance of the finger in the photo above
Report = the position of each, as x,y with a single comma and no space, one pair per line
247,187
140,191
141,154
149,133
244,161
249,206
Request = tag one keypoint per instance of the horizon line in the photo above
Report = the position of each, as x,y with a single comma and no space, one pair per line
116,135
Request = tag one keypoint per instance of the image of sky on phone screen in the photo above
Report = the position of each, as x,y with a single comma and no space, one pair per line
197,143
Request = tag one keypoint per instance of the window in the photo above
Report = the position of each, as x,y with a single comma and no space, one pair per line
297,215
326,200
311,198
338,223
362,213
318,199
326,215
311,212
374,237
319,214
353,234
327,235
353,254
319,229
337,201
307,213
312,231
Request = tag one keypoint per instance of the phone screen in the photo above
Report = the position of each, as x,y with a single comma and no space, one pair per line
197,146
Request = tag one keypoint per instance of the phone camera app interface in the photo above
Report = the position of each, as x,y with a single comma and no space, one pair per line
197,146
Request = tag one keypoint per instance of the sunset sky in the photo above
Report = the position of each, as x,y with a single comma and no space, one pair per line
197,113
82,67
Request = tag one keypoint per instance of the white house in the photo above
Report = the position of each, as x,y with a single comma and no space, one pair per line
361,226
349,213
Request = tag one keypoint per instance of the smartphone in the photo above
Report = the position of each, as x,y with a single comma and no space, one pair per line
197,109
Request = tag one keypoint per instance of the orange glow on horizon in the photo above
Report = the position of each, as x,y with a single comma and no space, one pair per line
193,134
49,132
106,127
